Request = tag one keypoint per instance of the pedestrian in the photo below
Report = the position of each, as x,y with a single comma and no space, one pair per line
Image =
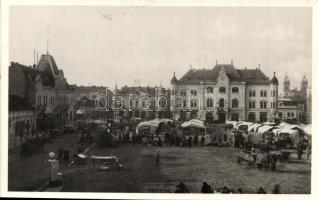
239,191
276,189
195,140
261,190
202,140
299,151
60,152
190,141
206,188
159,142
181,188
273,163
225,190
157,157
41,139
308,149
66,157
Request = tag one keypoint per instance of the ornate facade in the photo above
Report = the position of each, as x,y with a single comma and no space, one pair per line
224,93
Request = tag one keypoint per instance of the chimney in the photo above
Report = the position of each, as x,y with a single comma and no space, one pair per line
231,61
259,66
216,62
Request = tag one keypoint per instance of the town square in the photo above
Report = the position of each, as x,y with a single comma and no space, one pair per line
160,99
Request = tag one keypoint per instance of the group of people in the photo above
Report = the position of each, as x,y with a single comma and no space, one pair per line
32,145
206,188
63,156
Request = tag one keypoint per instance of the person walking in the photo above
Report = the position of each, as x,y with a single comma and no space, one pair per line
299,151
276,189
190,141
202,140
206,188
261,190
195,140
181,188
157,157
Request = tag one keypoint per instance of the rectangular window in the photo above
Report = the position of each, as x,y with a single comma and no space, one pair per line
263,104
183,93
45,100
251,104
193,104
39,100
251,93
193,92
263,93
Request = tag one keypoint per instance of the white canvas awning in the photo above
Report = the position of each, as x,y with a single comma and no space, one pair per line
80,112
254,127
306,129
193,123
265,128
153,124
248,124
283,125
269,123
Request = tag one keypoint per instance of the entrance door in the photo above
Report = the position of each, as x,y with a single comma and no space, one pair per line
209,117
251,117
222,117
235,117
263,117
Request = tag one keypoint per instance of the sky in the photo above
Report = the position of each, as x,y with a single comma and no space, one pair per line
127,45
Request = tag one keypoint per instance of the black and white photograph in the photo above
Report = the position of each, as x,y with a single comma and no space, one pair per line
152,98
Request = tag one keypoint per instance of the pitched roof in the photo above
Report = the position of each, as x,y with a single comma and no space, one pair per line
17,103
33,73
48,66
254,76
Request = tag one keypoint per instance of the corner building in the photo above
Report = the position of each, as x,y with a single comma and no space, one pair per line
224,93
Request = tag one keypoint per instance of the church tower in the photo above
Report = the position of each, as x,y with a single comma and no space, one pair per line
304,85
286,86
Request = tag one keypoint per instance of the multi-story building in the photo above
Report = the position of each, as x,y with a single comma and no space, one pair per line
224,93
21,120
91,92
141,102
287,110
301,98
46,89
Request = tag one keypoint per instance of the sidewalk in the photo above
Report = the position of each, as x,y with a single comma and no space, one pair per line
31,172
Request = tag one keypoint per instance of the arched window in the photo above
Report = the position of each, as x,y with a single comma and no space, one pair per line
209,103
235,90
193,103
235,103
209,89
221,103
222,90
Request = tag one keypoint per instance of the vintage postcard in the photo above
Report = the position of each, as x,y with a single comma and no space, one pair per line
153,99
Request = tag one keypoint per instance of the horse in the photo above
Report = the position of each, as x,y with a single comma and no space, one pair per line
266,160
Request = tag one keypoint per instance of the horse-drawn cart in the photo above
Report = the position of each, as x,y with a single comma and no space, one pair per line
247,157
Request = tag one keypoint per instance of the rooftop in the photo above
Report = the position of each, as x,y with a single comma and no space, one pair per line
254,76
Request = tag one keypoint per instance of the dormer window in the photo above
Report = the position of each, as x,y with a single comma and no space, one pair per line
209,89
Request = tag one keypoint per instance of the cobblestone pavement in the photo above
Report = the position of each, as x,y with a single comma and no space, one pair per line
30,172
215,165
